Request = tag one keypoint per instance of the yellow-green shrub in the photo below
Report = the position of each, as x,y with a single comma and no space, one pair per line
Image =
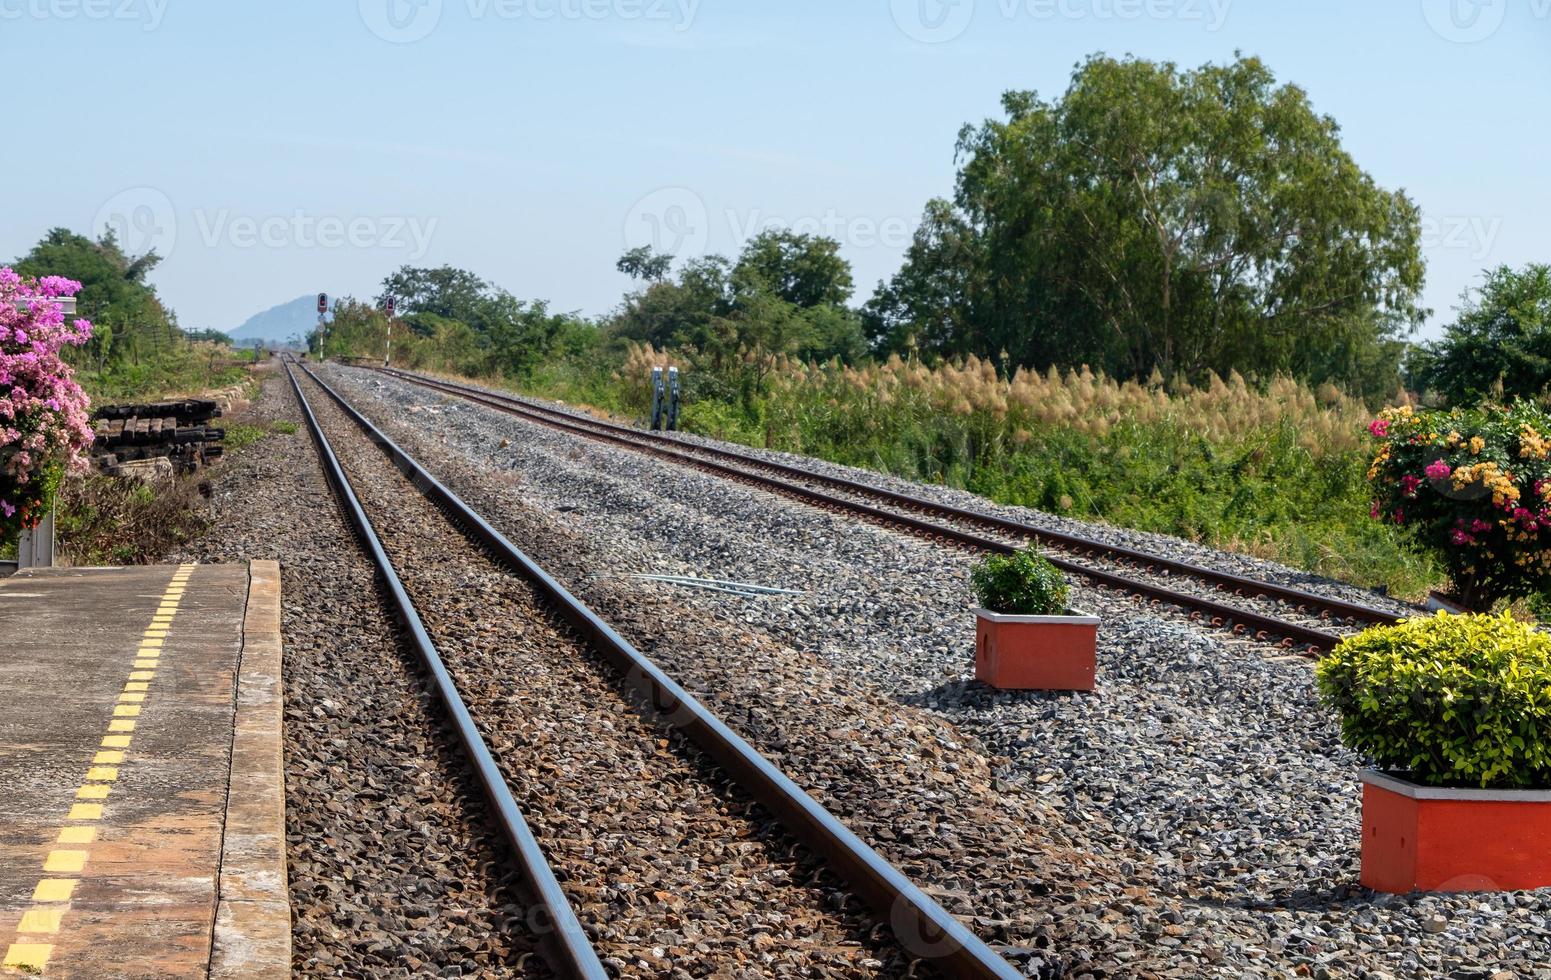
1452,700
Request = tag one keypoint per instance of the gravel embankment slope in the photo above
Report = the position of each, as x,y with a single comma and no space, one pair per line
1211,814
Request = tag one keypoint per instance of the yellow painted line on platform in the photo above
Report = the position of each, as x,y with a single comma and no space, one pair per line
54,890
64,862
33,957
41,920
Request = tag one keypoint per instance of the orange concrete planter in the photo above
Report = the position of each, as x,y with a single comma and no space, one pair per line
1036,653
1426,838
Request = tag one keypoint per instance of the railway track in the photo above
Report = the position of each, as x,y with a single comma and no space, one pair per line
1274,613
450,575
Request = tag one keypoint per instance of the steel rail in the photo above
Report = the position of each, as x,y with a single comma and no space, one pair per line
1219,615
566,943
1241,585
923,927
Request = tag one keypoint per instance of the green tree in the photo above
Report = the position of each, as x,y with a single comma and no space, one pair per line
1158,219
130,320
1498,347
784,295
804,270
643,263
446,292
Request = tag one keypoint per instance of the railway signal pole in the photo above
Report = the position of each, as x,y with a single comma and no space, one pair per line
323,308
387,345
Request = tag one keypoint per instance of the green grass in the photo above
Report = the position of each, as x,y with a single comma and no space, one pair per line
1262,490
284,427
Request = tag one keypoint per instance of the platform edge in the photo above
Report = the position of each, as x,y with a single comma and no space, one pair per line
253,914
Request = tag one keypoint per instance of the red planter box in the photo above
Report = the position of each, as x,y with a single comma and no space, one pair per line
1425,838
1036,653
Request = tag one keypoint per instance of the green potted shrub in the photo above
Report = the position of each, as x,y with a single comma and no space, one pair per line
1455,713
1025,636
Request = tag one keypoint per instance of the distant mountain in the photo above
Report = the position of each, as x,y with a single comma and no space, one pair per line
277,325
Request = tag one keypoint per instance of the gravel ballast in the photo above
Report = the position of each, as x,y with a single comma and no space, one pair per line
672,870
395,867
1209,810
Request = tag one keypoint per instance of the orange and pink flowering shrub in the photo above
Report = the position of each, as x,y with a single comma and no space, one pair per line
44,431
1475,486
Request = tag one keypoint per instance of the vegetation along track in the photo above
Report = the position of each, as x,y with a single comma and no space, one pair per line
1292,616
676,839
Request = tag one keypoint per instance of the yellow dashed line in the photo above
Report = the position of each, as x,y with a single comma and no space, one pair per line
54,890
31,957
53,894
64,862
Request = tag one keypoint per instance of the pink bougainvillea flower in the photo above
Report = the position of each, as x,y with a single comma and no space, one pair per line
1379,428
43,411
1409,485
1438,470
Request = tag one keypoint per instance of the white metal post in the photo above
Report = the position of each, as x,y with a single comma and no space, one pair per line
35,547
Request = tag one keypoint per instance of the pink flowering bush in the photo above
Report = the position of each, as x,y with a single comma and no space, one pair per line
44,432
1475,486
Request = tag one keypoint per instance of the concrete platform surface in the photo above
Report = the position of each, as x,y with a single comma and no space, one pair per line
138,700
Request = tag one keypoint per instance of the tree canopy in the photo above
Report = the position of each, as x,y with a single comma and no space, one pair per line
1499,347
128,317
1158,219
785,294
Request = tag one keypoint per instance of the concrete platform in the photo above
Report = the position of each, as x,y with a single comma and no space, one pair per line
141,780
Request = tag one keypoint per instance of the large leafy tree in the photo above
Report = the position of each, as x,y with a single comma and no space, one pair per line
1158,219
128,317
1498,347
471,324
446,292
785,294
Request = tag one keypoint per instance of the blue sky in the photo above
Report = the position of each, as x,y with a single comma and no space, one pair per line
280,148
